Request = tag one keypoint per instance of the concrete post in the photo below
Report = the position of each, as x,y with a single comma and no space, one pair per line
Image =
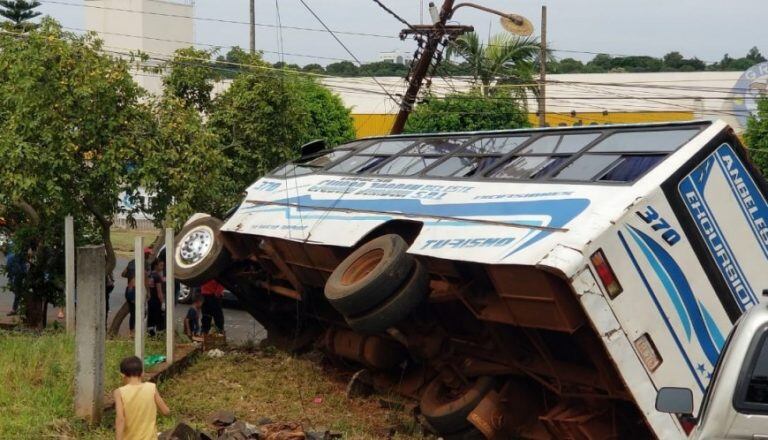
141,296
170,296
69,273
90,336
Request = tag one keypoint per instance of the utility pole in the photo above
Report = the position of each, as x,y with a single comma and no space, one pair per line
434,34
253,27
543,70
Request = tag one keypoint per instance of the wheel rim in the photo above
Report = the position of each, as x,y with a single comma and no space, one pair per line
194,246
361,267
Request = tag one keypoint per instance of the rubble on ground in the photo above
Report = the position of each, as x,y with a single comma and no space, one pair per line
225,426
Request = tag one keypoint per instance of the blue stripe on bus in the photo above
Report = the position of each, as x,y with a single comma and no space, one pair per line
660,310
670,269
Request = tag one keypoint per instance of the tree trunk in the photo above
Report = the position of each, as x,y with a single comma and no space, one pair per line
35,309
106,237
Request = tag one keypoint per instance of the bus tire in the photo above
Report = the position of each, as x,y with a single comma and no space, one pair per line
200,255
398,306
447,412
369,275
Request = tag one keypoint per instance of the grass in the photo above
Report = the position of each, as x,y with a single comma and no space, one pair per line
37,398
281,388
123,239
38,375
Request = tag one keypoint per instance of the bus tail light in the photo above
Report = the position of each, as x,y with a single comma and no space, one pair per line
604,271
648,352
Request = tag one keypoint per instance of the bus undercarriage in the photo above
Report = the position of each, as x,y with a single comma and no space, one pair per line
494,351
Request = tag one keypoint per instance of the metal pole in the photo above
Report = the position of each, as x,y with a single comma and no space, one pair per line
170,296
253,27
422,67
90,337
140,276
69,273
543,70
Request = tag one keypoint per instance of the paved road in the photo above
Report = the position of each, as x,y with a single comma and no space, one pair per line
239,325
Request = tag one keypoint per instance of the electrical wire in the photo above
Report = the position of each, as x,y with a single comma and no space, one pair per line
215,20
341,43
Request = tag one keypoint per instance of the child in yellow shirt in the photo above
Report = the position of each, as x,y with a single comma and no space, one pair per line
136,404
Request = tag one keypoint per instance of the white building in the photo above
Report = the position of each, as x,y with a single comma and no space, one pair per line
394,57
154,27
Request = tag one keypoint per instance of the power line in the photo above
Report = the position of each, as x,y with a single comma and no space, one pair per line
341,43
191,43
216,20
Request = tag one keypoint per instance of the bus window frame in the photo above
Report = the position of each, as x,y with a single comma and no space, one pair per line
534,135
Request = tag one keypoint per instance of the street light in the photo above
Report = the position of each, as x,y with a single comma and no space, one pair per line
513,23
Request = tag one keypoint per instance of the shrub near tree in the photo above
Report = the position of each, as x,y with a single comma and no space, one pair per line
266,115
756,136
467,112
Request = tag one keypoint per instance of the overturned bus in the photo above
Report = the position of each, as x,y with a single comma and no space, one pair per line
530,283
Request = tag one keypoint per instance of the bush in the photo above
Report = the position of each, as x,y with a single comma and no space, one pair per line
467,112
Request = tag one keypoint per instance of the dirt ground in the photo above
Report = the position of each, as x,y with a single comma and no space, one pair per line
279,387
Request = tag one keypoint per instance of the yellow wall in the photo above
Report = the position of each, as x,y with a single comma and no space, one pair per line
380,124
598,118
373,124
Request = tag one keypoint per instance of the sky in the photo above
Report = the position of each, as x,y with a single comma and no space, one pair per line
706,29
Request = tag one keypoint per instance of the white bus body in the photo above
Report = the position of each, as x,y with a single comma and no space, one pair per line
639,245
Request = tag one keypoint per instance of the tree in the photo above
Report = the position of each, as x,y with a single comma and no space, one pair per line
264,117
756,136
467,112
70,120
567,65
182,165
328,118
383,68
313,68
506,59
342,68
19,12
189,76
755,56
236,60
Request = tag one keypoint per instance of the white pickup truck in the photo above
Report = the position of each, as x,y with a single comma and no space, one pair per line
735,405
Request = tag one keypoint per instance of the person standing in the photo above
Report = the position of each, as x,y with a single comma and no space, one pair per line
129,273
16,269
136,404
156,303
212,293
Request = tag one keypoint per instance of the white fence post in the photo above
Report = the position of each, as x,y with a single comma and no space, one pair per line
140,277
90,335
170,296
69,273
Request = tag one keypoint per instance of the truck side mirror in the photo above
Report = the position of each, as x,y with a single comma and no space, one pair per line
675,401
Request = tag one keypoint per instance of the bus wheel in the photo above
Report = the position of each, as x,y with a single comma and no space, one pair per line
200,254
369,275
446,408
398,306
